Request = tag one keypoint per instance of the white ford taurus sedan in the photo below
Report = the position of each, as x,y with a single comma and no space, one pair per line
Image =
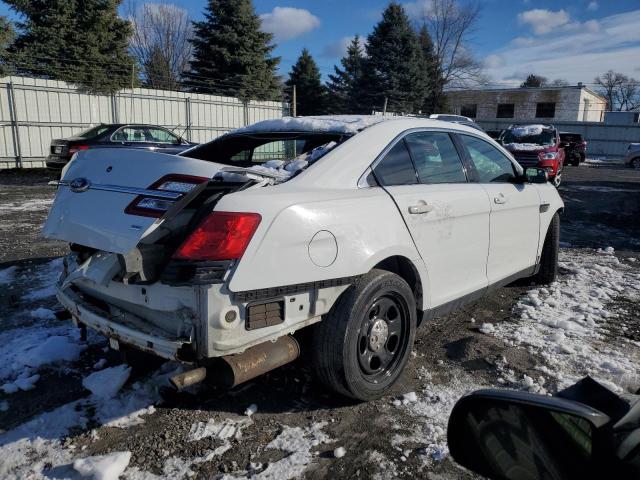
359,228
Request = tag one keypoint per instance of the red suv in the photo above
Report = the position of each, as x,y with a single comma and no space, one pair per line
536,145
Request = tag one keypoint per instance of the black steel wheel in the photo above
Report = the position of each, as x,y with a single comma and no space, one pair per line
362,345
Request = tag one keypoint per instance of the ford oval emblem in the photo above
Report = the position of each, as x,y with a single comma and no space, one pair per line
79,185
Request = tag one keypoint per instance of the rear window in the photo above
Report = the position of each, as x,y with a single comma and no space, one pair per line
94,132
257,149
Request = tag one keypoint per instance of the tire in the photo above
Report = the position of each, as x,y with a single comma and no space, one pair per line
575,161
362,345
549,259
635,163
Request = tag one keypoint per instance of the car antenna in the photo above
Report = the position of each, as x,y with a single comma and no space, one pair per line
185,129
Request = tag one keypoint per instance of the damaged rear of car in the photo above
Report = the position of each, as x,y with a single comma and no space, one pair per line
151,252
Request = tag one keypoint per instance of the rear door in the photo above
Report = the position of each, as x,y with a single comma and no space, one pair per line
447,216
515,210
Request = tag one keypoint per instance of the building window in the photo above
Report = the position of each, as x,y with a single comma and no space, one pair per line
545,110
505,110
470,110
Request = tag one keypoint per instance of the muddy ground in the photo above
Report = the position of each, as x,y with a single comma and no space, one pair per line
602,210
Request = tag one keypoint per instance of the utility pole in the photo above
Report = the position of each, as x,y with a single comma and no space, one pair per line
294,100
133,72
384,109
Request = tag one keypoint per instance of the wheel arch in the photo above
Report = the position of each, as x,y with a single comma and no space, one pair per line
409,272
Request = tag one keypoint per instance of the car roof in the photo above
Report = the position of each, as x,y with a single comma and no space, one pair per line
339,124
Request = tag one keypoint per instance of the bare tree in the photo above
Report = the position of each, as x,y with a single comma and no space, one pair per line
160,42
450,25
622,92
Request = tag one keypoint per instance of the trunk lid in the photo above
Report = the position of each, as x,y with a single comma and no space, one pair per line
91,210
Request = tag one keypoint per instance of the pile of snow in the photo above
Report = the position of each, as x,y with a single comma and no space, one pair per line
523,147
251,409
348,124
572,324
32,205
106,383
103,467
339,452
44,278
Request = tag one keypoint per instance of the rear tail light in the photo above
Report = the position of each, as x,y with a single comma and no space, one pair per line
77,148
220,236
146,206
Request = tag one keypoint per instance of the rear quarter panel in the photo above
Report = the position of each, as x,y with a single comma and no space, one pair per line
365,223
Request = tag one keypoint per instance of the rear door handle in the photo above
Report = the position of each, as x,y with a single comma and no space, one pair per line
500,199
420,208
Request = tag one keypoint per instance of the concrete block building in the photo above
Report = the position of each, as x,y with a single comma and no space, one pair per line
544,104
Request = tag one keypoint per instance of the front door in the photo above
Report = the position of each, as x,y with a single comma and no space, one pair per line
515,211
447,216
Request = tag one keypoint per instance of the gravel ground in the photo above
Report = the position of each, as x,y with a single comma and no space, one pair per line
297,425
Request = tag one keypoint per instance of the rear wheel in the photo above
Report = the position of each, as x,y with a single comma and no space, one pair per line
635,163
361,347
549,259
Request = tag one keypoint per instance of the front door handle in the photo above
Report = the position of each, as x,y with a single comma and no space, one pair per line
500,199
420,208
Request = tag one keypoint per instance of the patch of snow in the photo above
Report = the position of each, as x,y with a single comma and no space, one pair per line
106,383
45,278
572,324
42,314
339,452
430,414
347,124
54,349
7,274
103,467
251,409
409,397
36,204
99,365
223,430
487,328
606,250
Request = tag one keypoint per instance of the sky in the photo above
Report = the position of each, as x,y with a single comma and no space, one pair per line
574,40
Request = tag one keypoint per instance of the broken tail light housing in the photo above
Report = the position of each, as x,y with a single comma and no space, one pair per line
220,236
146,206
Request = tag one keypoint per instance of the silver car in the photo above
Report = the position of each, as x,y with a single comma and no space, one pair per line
632,158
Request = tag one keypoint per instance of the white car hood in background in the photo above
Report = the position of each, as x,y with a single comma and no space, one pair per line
96,218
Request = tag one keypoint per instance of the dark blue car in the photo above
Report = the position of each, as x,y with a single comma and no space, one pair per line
117,135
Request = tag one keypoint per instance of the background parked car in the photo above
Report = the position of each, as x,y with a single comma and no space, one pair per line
117,135
575,148
459,119
536,145
633,155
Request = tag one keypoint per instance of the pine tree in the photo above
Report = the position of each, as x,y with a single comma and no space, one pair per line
232,56
344,85
535,81
158,72
434,81
311,93
395,65
7,35
83,42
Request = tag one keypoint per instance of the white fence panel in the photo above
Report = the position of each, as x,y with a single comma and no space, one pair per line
35,111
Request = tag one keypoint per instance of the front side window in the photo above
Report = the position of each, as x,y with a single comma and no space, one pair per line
489,162
160,135
505,110
435,157
396,167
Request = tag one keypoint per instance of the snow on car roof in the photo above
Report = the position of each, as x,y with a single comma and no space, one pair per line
347,124
529,130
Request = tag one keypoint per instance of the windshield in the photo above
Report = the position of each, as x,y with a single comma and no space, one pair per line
544,137
248,150
94,131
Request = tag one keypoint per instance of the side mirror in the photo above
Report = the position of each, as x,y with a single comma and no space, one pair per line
536,175
503,434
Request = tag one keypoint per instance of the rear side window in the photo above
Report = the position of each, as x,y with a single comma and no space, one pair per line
435,157
490,163
396,167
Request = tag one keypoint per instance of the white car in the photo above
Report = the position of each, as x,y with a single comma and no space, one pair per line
361,227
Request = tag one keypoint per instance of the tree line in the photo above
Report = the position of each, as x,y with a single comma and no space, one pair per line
87,43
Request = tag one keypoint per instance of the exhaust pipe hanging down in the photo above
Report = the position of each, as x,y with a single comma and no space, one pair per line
237,369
